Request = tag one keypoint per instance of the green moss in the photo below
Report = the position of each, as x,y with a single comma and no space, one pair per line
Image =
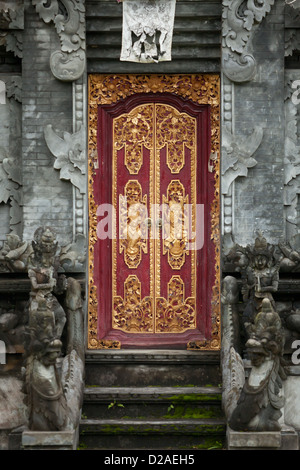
210,444
193,397
81,446
190,412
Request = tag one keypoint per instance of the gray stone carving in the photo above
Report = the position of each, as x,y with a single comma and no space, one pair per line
293,3
261,399
53,383
13,41
68,63
259,266
292,156
70,153
237,155
233,374
292,40
239,21
12,15
251,403
13,320
10,144
12,24
14,87
73,256
290,259
15,255
147,30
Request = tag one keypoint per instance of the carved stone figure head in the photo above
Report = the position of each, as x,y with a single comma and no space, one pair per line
261,254
267,337
51,352
44,245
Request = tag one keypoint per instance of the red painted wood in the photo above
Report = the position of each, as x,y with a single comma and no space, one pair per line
102,249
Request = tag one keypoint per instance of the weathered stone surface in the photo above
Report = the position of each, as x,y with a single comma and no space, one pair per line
64,440
292,405
46,100
12,409
253,440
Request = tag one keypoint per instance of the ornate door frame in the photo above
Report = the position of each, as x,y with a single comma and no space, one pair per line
107,90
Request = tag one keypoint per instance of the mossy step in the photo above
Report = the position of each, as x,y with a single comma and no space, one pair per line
152,402
142,394
153,427
152,434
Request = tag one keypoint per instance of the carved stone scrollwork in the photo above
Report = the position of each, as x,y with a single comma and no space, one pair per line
13,41
292,27
292,155
239,19
10,156
11,25
68,63
69,153
238,155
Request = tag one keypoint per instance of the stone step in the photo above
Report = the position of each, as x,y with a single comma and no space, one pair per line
141,368
152,402
152,399
152,434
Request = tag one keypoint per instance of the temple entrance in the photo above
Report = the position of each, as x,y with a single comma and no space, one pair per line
153,264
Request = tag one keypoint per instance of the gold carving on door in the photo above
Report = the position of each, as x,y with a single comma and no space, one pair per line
158,128
133,131
133,314
175,239
176,314
176,131
133,207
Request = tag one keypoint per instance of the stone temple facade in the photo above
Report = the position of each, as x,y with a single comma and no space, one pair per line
212,86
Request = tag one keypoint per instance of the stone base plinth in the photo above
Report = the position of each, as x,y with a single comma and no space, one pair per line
286,439
49,440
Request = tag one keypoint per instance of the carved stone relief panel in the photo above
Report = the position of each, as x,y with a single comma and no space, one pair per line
11,26
237,154
10,154
292,153
240,19
69,152
68,63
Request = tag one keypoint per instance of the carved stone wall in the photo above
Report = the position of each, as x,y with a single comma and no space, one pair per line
253,113
46,101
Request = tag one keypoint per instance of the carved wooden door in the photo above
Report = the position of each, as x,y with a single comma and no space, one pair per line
154,259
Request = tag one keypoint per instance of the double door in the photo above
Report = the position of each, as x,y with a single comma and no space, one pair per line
154,262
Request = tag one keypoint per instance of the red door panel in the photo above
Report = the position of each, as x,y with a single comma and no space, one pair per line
154,288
